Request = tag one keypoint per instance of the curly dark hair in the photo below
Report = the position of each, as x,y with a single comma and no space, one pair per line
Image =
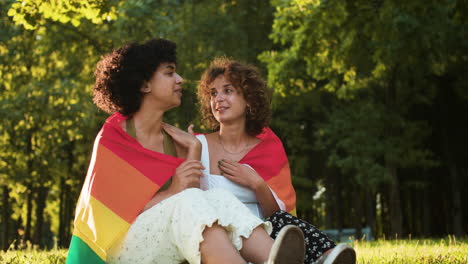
245,78
121,74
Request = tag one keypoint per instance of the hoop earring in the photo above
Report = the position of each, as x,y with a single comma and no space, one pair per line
249,110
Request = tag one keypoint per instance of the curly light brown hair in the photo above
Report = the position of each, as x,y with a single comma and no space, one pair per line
121,74
246,79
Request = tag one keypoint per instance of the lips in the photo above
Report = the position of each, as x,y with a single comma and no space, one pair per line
221,108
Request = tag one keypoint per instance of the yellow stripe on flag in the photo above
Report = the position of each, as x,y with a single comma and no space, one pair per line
98,226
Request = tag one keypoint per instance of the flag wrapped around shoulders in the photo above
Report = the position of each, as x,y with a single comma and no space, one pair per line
268,158
122,177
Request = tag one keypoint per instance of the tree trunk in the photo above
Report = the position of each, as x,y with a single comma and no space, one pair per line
426,214
5,218
29,205
456,215
396,221
65,213
357,197
40,206
331,199
371,212
62,212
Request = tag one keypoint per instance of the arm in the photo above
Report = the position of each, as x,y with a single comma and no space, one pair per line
266,199
188,174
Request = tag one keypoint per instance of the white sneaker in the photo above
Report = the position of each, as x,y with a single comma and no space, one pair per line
289,247
341,254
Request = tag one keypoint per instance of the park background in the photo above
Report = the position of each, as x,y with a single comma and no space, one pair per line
370,101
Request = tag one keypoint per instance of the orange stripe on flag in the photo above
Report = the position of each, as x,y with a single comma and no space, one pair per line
282,186
114,189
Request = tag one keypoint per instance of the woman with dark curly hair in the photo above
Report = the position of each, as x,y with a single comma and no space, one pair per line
141,201
245,157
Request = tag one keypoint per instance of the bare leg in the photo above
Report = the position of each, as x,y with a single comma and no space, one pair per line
257,247
218,248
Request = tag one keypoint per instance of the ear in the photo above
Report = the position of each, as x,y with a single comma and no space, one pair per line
145,88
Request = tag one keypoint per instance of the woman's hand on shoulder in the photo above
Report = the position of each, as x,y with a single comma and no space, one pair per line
188,146
185,139
240,174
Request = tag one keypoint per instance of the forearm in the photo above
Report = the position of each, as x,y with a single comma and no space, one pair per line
157,198
266,199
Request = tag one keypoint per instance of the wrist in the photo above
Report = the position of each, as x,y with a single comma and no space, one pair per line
196,145
194,151
258,185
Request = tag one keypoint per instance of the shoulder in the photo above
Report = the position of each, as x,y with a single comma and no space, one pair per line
211,137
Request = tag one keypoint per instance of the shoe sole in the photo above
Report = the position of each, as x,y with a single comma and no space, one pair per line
289,247
346,255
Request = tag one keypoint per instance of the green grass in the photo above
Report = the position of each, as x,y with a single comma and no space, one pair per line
33,256
412,251
377,252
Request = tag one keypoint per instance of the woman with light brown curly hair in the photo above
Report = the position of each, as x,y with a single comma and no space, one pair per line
244,156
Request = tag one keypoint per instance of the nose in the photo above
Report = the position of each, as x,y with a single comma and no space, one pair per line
179,79
219,97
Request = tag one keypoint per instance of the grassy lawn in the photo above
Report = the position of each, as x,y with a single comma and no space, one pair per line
412,251
377,252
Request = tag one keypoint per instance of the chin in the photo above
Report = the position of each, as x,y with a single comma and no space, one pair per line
176,104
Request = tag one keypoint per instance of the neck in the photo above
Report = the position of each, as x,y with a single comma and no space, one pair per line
148,121
233,135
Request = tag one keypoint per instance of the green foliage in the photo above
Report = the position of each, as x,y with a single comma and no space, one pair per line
359,51
34,13
357,138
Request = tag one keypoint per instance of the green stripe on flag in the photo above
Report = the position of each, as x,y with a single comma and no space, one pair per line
80,253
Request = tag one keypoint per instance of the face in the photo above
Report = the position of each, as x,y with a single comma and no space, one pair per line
227,103
165,87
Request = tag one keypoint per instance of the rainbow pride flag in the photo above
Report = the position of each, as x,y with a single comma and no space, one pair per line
122,177
269,159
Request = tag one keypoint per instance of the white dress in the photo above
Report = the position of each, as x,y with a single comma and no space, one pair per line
171,231
213,181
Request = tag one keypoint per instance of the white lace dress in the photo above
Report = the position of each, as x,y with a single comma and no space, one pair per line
171,231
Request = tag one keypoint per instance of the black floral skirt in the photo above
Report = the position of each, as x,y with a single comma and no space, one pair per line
316,241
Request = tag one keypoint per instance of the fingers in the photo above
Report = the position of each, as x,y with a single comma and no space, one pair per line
170,129
190,129
226,170
227,164
187,175
191,164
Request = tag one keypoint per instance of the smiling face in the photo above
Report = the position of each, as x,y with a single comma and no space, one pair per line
164,87
227,103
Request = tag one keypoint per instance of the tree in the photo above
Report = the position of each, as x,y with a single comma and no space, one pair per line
378,58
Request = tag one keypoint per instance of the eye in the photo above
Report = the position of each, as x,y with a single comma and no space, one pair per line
170,73
213,93
228,90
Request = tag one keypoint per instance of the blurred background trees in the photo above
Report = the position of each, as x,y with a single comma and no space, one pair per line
370,100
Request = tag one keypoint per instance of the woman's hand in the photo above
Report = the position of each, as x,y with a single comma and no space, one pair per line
185,139
240,174
249,178
188,146
187,175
